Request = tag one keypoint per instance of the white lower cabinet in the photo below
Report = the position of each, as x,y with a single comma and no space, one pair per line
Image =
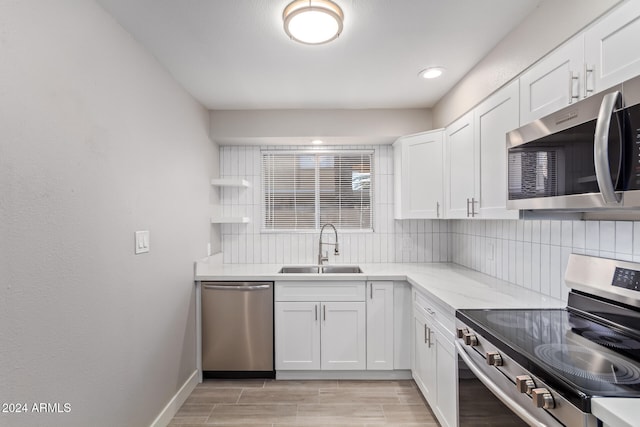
434,358
402,325
380,330
343,336
320,326
297,335
320,335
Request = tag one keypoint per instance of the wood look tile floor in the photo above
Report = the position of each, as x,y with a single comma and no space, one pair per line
305,403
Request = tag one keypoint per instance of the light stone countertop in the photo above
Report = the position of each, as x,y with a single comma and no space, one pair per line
616,412
455,286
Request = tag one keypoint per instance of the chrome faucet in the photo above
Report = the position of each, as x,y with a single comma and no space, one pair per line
321,258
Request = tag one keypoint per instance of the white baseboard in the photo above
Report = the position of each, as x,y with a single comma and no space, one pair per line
169,411
344,375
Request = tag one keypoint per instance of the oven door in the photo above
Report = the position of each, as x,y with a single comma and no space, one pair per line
482,402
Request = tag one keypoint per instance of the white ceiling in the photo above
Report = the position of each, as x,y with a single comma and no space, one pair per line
234,54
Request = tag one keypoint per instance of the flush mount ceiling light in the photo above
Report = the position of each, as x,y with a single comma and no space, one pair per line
431,72
316,142
313,21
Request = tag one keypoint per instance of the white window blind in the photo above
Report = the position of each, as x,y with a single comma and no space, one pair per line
303,190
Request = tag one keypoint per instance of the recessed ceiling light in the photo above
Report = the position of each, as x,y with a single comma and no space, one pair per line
431,72
316,142
313,21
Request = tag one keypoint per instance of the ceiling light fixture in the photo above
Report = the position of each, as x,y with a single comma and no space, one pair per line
313,21
431,72
316,142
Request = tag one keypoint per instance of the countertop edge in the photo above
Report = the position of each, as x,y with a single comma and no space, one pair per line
615,411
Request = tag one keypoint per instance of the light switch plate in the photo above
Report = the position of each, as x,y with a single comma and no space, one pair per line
142,242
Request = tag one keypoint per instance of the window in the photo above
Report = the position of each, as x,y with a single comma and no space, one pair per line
303,190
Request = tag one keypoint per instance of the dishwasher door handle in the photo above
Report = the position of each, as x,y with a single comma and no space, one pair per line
237,288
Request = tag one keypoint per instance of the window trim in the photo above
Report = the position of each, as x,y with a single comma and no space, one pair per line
315,152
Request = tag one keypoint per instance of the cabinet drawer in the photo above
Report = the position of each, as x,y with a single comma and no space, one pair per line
435,312
317,290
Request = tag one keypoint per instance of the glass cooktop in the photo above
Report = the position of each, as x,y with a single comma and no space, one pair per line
568,351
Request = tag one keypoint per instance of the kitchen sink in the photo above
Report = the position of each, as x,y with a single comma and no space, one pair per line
314,269
341,269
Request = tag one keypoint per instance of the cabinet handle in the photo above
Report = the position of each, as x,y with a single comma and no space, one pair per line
574,95
431,312
588,74
467,207
437,209
316,307
371,290
425,333
324,312
429,338
473,207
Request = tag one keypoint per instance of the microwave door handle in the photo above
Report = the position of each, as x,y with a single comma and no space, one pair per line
610,102
495,389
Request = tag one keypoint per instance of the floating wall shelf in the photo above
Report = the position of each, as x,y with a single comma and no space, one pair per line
230,220
230,182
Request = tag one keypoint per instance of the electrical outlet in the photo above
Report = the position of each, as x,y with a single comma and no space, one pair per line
142,242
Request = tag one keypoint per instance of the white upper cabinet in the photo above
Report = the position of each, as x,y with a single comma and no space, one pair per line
600,57
552,83
476,158
611,48
492,120
418,175
459,166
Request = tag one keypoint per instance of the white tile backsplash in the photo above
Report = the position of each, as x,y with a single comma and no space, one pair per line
391,241
537,257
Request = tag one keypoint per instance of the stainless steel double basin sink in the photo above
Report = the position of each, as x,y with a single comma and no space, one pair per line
320,269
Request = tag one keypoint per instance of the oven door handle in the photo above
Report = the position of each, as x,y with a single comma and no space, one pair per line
511,404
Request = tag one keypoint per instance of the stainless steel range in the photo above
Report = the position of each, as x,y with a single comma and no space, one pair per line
545,365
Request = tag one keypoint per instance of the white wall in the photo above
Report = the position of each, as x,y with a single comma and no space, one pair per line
391,241
271,127
543,30
96,141
534,254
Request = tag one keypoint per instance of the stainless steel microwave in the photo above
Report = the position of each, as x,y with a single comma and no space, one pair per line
585,157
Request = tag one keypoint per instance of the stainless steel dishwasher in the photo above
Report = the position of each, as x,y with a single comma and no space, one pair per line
237,329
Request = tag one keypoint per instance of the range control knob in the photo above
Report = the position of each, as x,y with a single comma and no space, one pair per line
461,332
542,398
525,384
494,358
470,339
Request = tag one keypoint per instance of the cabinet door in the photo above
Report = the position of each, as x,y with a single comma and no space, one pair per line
380,330
297,330
422,358
460,167
446,380
420,175
611,48
552,83
402,325
343,336
492,120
